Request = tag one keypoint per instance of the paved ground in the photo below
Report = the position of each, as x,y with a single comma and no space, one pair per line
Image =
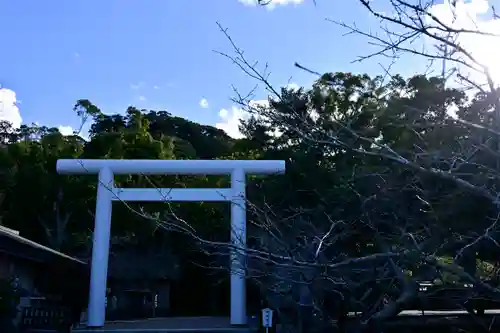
172,324
220,324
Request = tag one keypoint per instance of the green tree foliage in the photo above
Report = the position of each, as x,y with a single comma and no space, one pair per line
361,155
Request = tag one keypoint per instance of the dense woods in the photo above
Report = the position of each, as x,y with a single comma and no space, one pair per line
391,181
383,189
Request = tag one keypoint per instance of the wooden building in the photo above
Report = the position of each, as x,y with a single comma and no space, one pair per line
43,278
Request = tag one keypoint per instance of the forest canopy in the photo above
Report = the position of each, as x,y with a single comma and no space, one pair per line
383,175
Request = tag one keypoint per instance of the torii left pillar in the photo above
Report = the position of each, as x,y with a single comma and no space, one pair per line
107,193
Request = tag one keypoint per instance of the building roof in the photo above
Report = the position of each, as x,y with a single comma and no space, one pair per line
14,235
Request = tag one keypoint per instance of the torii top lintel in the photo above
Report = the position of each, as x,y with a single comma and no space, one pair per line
162,167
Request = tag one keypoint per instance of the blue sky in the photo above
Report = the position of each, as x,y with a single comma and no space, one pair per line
158,54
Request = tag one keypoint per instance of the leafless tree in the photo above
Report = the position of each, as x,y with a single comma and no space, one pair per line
297,255
418,28
406,248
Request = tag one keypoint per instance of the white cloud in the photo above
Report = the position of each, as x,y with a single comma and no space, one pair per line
292,86
204,103
138,85
142,98
231,121
9,110
259,103
65,130
156,87
273,4
474,15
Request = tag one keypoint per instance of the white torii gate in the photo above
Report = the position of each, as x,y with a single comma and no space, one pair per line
107,193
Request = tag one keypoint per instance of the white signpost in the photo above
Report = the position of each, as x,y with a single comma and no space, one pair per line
107,193
267,318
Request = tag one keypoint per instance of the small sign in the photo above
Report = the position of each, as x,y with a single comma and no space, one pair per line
267,317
